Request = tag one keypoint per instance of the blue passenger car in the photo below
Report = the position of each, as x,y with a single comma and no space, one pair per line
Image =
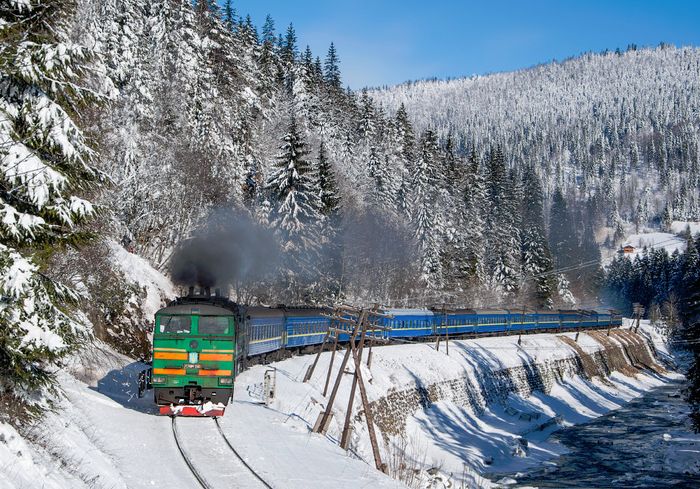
264,328
406,323
305,326
268,329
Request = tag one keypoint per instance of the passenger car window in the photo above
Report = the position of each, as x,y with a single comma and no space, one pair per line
213,325
175,324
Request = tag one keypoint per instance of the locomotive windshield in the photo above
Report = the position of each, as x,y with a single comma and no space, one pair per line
213,324
175,324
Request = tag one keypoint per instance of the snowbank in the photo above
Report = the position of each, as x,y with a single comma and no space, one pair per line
158,287
487,407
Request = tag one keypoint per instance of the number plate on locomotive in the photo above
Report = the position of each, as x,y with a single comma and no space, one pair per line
192,366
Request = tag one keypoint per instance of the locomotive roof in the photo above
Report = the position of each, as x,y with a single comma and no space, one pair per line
198,309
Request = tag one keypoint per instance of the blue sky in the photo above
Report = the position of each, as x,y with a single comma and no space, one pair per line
391,41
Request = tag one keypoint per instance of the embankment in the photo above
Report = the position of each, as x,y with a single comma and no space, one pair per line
488,406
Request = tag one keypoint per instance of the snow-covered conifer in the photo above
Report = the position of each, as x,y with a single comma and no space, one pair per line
332,68
424,217
45,165
501,232
295,206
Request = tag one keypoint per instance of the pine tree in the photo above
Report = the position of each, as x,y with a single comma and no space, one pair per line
296,209
536,258
331,265
425,220
289,50
268,32
501,232
474,198
405,139
332,68
229,14
562,236
318,69
330,199
45,162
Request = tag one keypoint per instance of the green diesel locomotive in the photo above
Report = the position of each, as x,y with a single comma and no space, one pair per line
194,356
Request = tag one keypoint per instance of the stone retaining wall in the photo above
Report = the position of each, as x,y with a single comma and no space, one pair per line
622,351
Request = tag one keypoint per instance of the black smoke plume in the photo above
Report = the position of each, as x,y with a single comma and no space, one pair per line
229,248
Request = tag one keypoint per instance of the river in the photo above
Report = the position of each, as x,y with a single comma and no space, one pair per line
648,443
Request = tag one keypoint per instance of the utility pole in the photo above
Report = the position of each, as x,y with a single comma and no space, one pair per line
324,418
638,312
312,367
354,322
446,327
345,437
368,413
330,365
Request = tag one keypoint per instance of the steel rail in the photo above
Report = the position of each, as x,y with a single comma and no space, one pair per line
238,455
195,473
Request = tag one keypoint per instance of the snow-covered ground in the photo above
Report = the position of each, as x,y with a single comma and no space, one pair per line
681,226
651,239
666,241
104,436
158,287
449,435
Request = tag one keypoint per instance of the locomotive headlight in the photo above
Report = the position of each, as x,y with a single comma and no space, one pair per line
225,381
193,357
158,380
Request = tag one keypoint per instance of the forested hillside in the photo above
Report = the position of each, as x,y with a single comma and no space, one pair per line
474,191
173,120
624,124
615,134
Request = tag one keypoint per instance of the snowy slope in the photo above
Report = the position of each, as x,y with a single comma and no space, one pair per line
649,239
103,435
449,435
666,241
678,227
158,287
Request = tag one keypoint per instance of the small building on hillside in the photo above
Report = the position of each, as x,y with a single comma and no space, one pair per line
627,249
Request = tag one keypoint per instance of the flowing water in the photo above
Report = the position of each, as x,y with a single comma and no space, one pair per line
647,443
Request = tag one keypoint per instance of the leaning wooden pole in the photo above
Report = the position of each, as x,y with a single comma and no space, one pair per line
368,412
329,407
345,438
330,365
312,367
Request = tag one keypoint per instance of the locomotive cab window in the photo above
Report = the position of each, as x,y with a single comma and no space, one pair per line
175,324
213,325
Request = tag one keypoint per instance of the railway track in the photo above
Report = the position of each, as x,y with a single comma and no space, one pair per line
200,479
235,452
213,445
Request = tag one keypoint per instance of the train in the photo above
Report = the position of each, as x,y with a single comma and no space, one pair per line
202,340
